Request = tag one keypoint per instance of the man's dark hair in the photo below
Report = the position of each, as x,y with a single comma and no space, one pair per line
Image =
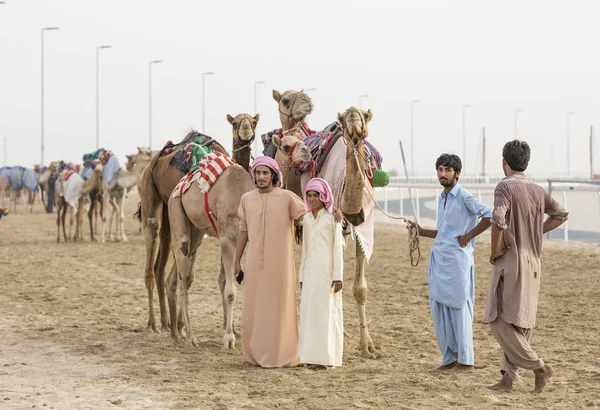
450,161
517,154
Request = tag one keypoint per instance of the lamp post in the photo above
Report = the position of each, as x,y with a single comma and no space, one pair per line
203,99
464,132
412,139
150,100
98,48
256,112
569,114
360,99
42,90
517,110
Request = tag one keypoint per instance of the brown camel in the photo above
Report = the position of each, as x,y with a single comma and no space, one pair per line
345,170
43,181
244,132
158,181
190,221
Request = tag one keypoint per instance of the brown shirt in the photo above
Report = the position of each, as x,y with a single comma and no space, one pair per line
519,208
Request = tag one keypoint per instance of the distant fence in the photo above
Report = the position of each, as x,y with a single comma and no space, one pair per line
398,191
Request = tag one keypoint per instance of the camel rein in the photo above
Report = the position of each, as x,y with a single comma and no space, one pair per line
413,232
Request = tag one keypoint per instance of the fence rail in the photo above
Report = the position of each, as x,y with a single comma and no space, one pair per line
403,191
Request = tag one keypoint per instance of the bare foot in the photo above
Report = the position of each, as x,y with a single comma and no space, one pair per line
541,378
462,368
447,366
505,384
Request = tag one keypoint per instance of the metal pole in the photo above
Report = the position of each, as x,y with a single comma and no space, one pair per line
412,202
256,112
42,91
591,152
150,100
464,151
412,139
517,110
98,48
569,114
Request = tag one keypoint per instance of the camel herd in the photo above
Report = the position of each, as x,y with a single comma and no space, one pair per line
180,223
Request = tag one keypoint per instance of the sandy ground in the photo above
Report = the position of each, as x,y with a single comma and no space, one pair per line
73,334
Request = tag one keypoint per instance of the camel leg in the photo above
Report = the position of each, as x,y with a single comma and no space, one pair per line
111,219
90,215
63,217
366,345
152,218
31,197
227,259
71,221
164,248
121,219
103,210
58,212
172,296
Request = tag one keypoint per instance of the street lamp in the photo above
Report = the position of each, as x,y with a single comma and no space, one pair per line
150,100
98,48
42,90
255,112
569,114
517,110
464,126
360,100
412,139
203,100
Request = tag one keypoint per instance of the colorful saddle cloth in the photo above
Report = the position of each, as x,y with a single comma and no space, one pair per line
182,160
210,167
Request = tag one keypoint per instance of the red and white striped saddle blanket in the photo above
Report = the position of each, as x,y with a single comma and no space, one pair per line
209,169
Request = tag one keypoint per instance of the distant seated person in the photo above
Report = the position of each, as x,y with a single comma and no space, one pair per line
3,212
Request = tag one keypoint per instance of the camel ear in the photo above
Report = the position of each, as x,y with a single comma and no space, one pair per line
368,116
230,119
277,141
340,118
256,117
276,95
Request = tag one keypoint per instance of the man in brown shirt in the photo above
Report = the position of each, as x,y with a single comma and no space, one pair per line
517,228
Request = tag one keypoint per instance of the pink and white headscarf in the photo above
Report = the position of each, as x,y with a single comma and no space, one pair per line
267,162
322,187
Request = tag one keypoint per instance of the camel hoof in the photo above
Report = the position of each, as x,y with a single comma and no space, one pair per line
195,341
151,328
124,240
177,339
229,342
165,328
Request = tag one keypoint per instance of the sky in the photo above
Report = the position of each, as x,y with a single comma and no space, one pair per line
538,56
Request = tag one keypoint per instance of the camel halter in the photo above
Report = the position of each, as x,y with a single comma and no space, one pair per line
413,233
237,145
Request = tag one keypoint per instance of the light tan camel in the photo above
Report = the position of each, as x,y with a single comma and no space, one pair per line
75,204
137,163
4,191
158,181
293,107
291,151
244,132
113,194
354,198
190,221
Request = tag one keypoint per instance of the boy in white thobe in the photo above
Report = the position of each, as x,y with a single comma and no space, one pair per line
321,338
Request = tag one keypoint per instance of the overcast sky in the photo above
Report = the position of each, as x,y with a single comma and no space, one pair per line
540,56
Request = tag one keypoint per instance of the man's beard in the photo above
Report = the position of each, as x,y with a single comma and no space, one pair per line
448,182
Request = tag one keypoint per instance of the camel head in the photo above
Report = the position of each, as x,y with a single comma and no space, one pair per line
244,128
292,147
294,106
96,165
354,122
143,153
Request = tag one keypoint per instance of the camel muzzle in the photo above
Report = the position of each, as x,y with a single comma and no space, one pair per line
356,219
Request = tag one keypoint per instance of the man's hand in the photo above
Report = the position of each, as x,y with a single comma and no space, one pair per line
496,254
338,216
411,224
337,285
464,240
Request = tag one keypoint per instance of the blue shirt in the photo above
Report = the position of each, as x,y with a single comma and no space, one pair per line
450,265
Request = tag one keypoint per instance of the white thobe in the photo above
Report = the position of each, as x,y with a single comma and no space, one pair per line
321,338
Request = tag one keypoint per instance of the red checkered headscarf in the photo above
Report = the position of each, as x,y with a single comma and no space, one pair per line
323,189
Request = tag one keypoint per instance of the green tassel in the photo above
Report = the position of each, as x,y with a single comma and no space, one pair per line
380,178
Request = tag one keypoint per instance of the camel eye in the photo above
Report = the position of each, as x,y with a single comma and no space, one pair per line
285,102
286,148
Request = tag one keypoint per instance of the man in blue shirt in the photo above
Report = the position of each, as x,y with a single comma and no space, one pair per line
451,268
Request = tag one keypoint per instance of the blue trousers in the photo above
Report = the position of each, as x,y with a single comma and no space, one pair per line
454,332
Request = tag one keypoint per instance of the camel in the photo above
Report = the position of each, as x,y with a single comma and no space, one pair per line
4,187
190,221
137,163
113,193
293,106
244,132
20,180
344,169
158,181
291,153
45,175
72,199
